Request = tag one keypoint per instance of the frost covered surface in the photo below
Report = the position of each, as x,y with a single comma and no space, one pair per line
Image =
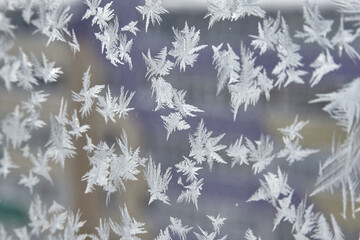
203,97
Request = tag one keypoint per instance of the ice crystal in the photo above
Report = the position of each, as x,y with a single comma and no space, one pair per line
107,106
15,128
268,34
48,73
251,83
110,170
294,152
272,188
192,192
323,64
129,227
151,11
6,163
344,104
77,129
177,228
316,27
53,21
87,95
157,182
41,165
292,131
260,152
232,10
60,145
249,235
164,235
204,147
173,122
130,27
238,152
185,47
188,168
103,15
227,64
158,66
217,222
343,40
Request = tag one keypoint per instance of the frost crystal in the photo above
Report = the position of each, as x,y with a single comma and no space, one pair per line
15,128
272,188
110,170
6,163
260,153
305,221
22,233
60,145
268,34
87,95
185,47
232,10
292,131
176,227
6,26
164,93
173,122
157,182
323,64
107,106
343,40
249,235
24,75
204,147
344,104
238,152
340,170
48,73
77,130
192,192
53,21
124,50
188,168
316,27
74,44
130,27
103,15
205,235
41,165
285,211
152,11
29,181
217,222
323,230
157,66
290,60
251,83
164,235
103,231
89,147
227,65
124,101
129,227
92,7
294,152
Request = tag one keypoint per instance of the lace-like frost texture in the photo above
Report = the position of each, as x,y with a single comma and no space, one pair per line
238,71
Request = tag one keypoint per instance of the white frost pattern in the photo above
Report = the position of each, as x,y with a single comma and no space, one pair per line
114,163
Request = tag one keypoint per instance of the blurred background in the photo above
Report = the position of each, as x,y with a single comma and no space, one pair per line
225,189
